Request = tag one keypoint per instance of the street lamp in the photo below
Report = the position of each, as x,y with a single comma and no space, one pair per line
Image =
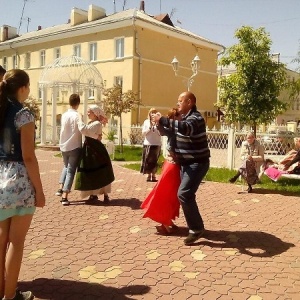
195,66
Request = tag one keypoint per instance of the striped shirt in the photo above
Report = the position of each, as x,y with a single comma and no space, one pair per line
191,139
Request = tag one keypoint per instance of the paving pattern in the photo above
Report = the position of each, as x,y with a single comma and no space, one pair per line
250,249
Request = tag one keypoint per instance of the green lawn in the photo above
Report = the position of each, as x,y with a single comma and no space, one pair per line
134,154
222,175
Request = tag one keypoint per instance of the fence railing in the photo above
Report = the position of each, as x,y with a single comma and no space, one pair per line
225,145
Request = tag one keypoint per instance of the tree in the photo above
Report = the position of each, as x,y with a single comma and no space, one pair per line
116,103
295,85
33,107
250,95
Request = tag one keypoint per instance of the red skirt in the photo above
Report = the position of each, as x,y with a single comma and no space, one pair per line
162,204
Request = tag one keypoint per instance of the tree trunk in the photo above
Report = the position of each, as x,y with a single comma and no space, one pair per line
121,135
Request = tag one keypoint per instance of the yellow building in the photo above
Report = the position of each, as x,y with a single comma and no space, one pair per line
130,47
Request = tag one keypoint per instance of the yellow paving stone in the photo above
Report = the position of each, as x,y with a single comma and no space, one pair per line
43,173
230,252
86,272
268,195
149,189
255,297
138,189
36,254
119,190
103,217
152,254
232,237
176,266
233,213
237,201
198,255
53,171
191,275
135,229
113,272
255,200
95,279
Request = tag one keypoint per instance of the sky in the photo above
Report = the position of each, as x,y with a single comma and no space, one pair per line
216,20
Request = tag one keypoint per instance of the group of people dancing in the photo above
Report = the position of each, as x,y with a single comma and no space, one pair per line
254,164
88,163
186,164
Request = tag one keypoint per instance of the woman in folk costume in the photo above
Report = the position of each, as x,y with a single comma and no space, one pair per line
162,204
95,173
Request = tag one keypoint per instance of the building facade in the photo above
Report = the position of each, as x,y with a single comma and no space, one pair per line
130,48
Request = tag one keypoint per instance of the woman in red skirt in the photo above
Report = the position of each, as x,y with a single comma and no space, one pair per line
162,205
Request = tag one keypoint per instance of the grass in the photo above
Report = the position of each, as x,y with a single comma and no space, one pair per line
284,185
134,154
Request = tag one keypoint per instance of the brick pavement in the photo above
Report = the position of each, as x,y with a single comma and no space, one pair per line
250,251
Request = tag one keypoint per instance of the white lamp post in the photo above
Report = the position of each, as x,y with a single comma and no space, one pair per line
195,66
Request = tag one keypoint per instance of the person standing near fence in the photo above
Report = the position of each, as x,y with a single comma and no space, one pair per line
151,146
20,182
70,143
192,154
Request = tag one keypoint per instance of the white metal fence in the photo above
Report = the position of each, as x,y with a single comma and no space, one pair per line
225,145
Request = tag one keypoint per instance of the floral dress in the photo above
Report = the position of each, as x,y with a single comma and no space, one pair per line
17,194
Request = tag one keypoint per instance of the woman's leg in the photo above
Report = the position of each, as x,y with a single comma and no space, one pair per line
18,229
4,229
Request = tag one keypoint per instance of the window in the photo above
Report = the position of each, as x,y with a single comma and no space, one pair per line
15,62
4,62
42,58
40,93
93,51
91,90
27,60
56,53
120,48
77,50
118,80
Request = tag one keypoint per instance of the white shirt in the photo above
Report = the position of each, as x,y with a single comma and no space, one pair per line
93,129
151,134
70,136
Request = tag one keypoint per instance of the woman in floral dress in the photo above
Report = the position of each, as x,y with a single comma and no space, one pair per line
20,184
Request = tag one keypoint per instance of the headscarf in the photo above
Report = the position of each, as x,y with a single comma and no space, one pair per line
99,113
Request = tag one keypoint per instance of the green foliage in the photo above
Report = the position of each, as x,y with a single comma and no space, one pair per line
294,86
250,95
33,107
116,103
111,135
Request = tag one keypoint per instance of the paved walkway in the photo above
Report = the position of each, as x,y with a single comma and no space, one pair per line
250,250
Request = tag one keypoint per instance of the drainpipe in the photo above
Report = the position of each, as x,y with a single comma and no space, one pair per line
140,63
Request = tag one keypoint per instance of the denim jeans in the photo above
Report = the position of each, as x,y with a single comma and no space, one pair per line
191,177
70,159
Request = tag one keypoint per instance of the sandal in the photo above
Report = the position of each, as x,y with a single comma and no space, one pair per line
161,229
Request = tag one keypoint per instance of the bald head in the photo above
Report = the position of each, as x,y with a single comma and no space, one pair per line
186,101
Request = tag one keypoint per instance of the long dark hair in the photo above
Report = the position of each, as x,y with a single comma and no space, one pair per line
12,81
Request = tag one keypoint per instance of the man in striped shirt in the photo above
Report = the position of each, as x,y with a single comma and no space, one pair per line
192,153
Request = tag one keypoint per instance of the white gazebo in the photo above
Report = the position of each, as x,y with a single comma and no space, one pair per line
66,74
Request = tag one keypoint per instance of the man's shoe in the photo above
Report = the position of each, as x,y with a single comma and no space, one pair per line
193,237
23,295
64,201
59,192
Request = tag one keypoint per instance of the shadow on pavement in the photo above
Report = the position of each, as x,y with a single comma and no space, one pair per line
59,289
253,243
133,203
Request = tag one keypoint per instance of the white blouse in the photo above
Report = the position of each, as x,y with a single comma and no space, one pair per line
92,129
